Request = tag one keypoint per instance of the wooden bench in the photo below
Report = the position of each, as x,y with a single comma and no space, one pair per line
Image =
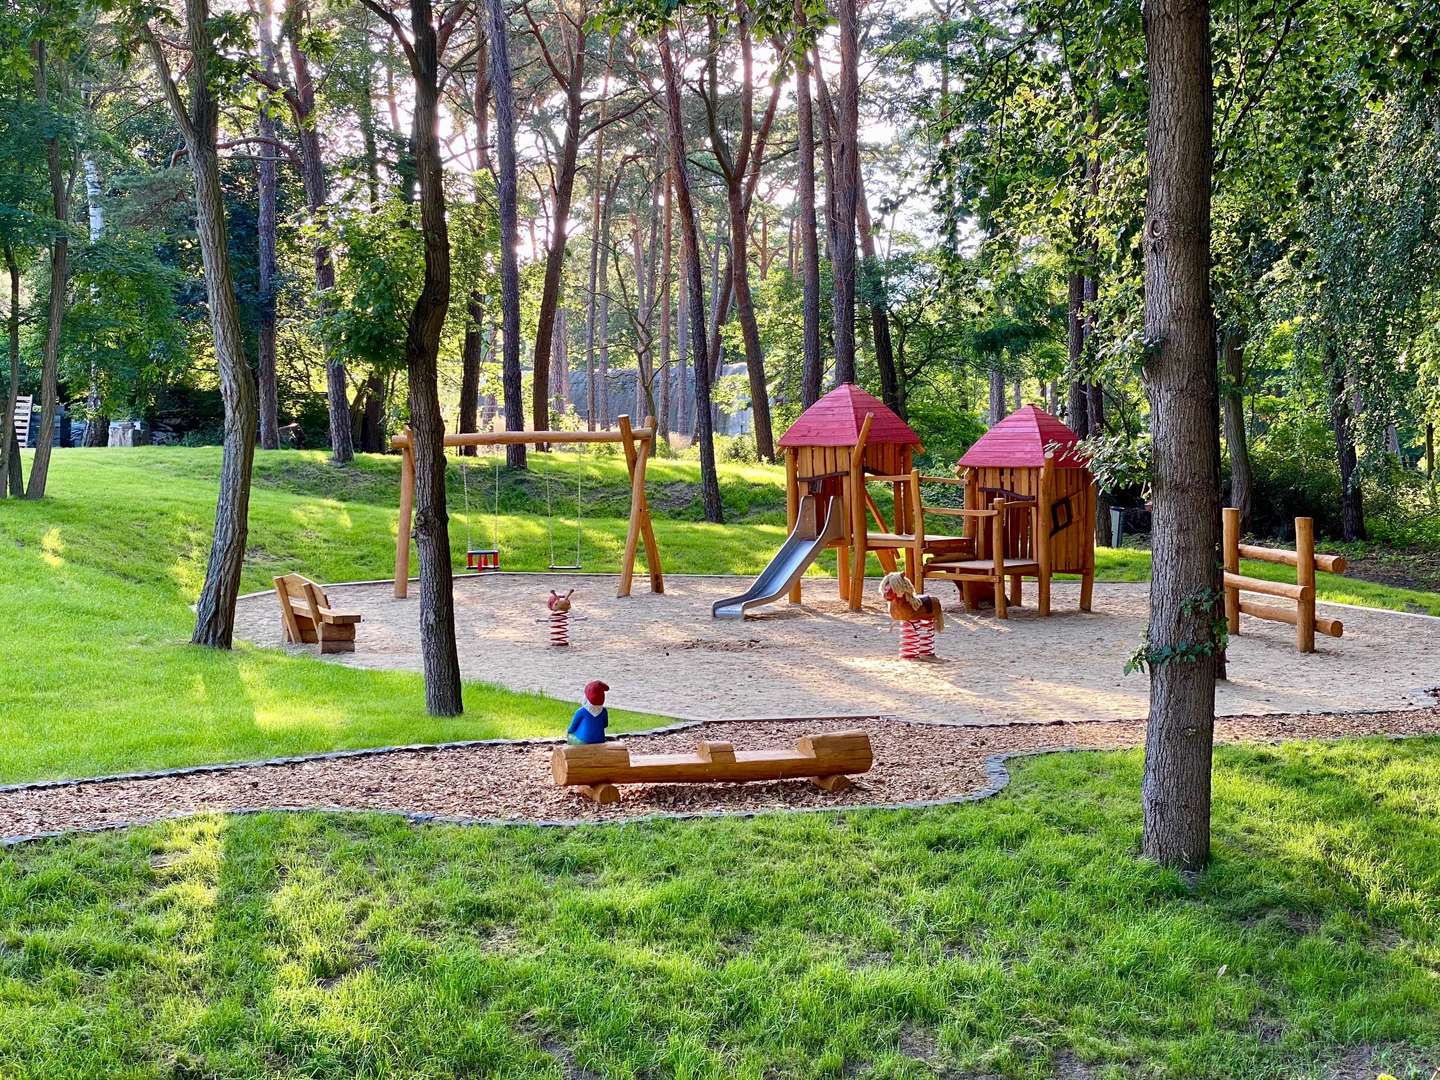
309,619
823,759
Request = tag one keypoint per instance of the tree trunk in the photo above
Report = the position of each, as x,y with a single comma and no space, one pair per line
690,267
559,227
997,393
503,88
97,425
1342,423
422,344
59,282
749,329
667,312
265,225
1181,384
682,347
1232,400
597,188
847,180
470,356
560,362
603,315
812,372
1430,451
1077,409
10,476
215,610
312,171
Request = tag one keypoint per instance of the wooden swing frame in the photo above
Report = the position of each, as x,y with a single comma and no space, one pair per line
639,445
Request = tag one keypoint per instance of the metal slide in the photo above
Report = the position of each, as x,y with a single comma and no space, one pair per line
801,548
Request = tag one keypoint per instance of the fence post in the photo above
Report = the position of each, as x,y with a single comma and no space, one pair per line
1230,523
1305,578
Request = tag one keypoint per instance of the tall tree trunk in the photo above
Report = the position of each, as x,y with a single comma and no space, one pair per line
683,422
997,393
268,196
560,361
312,171
1342,423
597,189
667,312
1232,400
1181,383
602,377
10,477
422,345
59,283
503,88
559,231
1077,410
690,267
198,122
847,180
812,372
470,357
97,425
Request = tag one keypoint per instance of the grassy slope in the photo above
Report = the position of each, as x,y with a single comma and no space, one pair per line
1001,938
97,581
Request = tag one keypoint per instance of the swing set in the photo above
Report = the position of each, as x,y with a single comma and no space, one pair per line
639,447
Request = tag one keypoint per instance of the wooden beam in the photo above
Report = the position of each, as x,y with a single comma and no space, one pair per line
858,529
1331,564
532,438
1269,588
1270,613
837,754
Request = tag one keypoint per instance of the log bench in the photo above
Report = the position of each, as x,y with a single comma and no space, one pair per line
825,760
309,619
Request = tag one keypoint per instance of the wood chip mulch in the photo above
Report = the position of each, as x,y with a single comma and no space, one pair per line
510,781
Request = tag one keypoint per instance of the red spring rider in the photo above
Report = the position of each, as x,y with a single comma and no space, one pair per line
559,605
919,614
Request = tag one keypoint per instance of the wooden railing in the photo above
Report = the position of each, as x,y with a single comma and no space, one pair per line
1302,592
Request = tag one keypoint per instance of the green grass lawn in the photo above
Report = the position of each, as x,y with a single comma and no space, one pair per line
96,583
1017,937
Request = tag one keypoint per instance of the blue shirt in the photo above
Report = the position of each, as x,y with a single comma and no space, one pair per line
588,727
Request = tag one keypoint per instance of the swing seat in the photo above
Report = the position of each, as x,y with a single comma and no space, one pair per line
566,566
482,560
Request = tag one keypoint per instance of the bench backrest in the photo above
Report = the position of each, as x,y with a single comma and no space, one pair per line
23,406
304,591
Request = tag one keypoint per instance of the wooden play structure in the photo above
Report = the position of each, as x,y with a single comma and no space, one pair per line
1301,593
1028,509
1029,512
309,619
639,447
826,760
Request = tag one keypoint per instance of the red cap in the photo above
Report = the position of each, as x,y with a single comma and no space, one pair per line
595,692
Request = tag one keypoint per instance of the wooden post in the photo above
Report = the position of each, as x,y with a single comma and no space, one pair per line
1042,531
997,545
1305,578
407,515
640,526
1087,577
1230,553
858,528
915,560
792,508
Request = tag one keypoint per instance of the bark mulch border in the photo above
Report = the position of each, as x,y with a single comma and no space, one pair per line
997,779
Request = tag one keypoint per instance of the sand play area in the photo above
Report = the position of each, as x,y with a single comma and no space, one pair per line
664,654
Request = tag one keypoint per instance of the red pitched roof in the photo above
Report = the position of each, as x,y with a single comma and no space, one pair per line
835,420
1022,439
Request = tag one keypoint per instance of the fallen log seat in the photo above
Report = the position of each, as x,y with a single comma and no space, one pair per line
309,619
823,759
